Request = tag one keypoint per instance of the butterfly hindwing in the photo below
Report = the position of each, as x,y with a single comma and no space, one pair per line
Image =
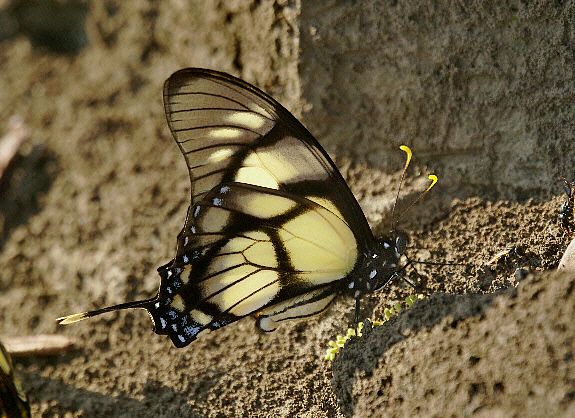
252,249
303,306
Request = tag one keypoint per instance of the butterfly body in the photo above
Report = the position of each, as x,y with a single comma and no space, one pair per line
272,231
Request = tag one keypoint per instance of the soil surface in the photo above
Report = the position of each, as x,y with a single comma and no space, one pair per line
93,203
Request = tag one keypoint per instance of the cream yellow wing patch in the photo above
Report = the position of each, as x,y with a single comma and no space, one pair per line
264,205
225,278
261,254
223,262
320,246
257,176
249,120
214,220
248,293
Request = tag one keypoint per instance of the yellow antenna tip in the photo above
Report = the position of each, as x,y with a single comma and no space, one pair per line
407,150
433,179
70,319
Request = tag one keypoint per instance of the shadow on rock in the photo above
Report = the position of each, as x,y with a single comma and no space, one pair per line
362,355
20,186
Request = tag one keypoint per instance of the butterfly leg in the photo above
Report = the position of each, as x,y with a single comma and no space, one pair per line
416,288
356,314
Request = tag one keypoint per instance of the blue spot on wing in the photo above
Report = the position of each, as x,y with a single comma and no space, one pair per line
181,329
179,326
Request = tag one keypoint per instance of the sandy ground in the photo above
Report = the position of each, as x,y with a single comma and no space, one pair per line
92,206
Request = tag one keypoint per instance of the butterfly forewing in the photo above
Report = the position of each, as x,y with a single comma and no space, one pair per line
230,131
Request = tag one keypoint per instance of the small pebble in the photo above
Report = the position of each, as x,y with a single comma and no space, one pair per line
568,260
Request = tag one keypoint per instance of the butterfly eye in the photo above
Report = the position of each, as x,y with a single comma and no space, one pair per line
566,187
401,241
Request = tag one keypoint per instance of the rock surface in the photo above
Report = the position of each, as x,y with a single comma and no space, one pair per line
94,203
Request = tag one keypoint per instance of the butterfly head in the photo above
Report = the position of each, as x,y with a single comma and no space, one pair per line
391,248
568,187
380,264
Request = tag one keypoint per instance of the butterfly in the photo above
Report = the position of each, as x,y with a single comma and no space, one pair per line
13,401
272,231
567,212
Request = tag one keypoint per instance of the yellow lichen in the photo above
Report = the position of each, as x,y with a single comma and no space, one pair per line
387,313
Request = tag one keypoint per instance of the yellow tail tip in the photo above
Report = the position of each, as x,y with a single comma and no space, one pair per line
70,319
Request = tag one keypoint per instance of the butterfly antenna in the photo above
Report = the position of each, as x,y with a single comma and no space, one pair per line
407,150
433,179
432,263
70,319
356,314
